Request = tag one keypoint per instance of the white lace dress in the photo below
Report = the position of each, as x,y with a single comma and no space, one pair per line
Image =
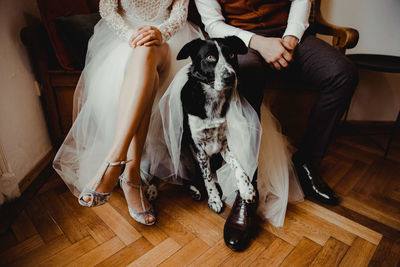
96,105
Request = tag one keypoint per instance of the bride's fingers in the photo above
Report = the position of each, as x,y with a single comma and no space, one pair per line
142,30
152,42
138,38
145,40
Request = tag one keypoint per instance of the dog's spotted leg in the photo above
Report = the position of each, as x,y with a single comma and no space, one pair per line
214,200
151,192
245,187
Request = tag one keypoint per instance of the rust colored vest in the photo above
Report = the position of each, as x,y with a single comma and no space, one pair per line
256,14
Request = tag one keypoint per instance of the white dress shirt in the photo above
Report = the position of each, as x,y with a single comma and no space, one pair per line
215,26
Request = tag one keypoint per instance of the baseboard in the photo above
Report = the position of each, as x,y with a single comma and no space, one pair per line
29,186
37,169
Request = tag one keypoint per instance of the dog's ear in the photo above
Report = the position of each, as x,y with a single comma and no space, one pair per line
236,44
189,48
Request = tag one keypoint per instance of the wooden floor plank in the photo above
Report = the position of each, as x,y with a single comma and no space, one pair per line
303,254
94,225
186,254
174,229
284,233
316,222
387,254
295,222
264,237
23,227
158,254
126,232
337,173
375,210
153,234
7,240
71,253
273,255
40,254
359,254
128,254
198,226
331,254
71,227
244,258
351,178
21,249
341,221
99,253
43,222
213,256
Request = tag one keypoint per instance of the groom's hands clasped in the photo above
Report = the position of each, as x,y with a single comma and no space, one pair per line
277,52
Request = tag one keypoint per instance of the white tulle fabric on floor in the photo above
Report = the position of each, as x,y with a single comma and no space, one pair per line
167,158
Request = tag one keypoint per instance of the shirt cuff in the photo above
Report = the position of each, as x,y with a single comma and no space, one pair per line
294,29
245,36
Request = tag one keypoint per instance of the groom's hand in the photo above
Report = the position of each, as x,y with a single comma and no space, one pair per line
277,52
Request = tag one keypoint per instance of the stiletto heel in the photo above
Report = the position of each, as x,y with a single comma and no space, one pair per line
97,198
144,216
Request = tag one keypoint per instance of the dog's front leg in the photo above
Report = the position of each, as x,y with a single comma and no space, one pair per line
245,187
214,200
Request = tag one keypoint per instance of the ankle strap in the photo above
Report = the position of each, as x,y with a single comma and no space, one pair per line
121,162
139,186
123,179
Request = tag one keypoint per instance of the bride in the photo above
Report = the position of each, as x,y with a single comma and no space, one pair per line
128,60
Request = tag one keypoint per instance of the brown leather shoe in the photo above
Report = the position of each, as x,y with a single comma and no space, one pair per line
240,224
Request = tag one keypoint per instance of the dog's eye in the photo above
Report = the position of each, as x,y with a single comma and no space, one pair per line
211,58
231,55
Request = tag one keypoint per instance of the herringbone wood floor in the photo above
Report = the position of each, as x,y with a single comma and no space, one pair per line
53,230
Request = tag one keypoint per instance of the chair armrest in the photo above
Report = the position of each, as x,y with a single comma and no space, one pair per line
343,38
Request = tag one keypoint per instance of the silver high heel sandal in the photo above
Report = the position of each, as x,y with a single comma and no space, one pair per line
97,198
144,216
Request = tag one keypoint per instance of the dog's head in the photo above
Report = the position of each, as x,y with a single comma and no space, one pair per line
214,61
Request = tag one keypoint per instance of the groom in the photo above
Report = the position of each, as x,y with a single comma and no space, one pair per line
275,32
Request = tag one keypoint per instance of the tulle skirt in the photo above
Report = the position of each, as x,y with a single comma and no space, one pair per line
96,102
95,114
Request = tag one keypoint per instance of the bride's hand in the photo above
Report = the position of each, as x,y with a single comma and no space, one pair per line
147,36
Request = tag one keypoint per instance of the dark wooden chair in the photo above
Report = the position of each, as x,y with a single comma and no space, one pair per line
57,85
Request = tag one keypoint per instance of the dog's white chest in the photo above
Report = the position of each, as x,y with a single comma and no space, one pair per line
209,135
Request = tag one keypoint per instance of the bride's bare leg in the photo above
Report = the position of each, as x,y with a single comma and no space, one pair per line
136,98
132,169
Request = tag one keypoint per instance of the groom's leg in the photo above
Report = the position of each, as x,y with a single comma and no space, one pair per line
239,226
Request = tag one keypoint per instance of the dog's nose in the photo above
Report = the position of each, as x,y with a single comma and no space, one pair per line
229,77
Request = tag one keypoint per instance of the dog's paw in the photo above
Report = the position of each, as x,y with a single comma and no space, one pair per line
151,192
215,203
194,193
248,194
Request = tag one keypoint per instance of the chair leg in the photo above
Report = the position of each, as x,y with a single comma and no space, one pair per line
394,129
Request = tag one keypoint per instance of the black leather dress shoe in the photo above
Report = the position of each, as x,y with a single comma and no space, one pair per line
312,184
240,224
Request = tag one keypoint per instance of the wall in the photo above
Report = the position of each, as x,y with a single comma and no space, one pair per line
377,97
23,133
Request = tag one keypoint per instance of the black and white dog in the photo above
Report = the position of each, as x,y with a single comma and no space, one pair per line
205,99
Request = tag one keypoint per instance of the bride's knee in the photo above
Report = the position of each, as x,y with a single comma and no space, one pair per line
152,53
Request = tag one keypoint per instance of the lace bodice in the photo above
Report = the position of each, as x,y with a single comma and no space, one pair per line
125,16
